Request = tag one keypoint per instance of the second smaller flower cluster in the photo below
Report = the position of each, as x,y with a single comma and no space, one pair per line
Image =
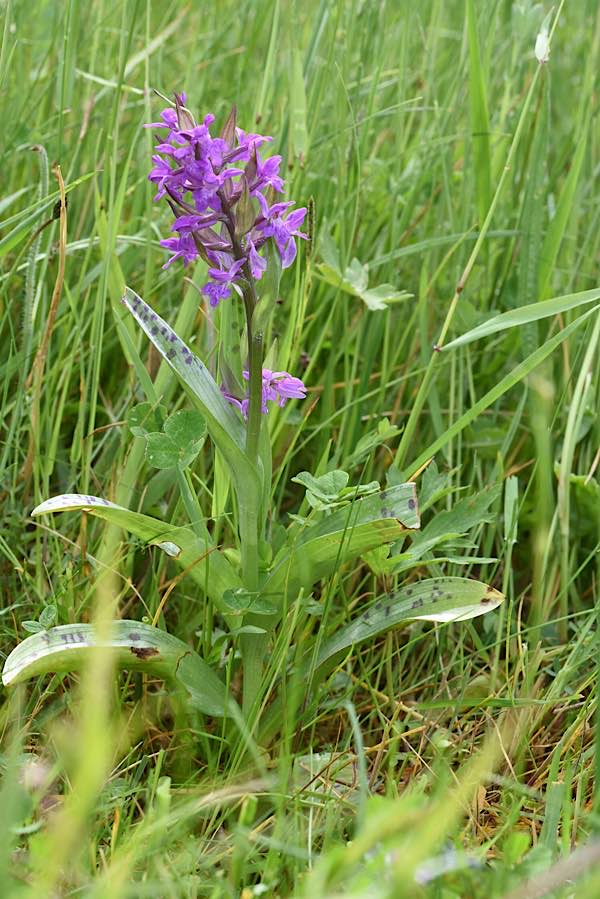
277,386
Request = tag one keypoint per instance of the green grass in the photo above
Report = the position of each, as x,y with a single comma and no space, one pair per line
438,152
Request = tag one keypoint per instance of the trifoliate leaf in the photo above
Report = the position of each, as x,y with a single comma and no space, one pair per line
145,418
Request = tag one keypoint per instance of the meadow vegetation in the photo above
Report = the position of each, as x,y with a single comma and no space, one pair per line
444,317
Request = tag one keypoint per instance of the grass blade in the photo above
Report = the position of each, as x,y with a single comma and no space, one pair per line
480,124
516,318
516,375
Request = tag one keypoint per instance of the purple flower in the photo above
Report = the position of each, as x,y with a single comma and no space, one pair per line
284,385
267,174
216,292
190,223
184,247
164,176
258,263
277,386
219,288
204,182
282,230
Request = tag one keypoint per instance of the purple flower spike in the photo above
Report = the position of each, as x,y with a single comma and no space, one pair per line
211,184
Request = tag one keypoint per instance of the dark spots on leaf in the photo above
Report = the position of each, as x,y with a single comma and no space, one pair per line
387,611
188,360
154,330
486,600
417,603
72,638
133,636
387,513
411,503
367,616
144,652
409,591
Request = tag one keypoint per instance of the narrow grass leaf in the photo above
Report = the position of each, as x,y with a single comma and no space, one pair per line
516,318
480,124
557,227
516,375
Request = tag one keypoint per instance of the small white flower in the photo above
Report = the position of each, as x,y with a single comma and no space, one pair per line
542,42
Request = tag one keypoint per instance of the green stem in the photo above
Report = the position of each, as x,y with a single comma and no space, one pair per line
253,646
255,360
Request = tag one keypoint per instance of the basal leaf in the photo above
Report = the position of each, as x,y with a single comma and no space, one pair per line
317,550
135,646
202,561
435,599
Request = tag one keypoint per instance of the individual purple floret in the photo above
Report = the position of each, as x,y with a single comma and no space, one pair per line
221,191
277,386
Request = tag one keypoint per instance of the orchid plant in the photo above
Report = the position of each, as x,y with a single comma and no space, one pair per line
225,195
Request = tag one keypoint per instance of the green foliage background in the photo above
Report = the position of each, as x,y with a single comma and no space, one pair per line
397,119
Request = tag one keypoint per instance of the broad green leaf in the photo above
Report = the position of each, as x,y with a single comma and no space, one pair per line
224,425
516,318
162,452
135,646
329,490
326,486
242,602
435,599
445,527
317,550
355,280
202,561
